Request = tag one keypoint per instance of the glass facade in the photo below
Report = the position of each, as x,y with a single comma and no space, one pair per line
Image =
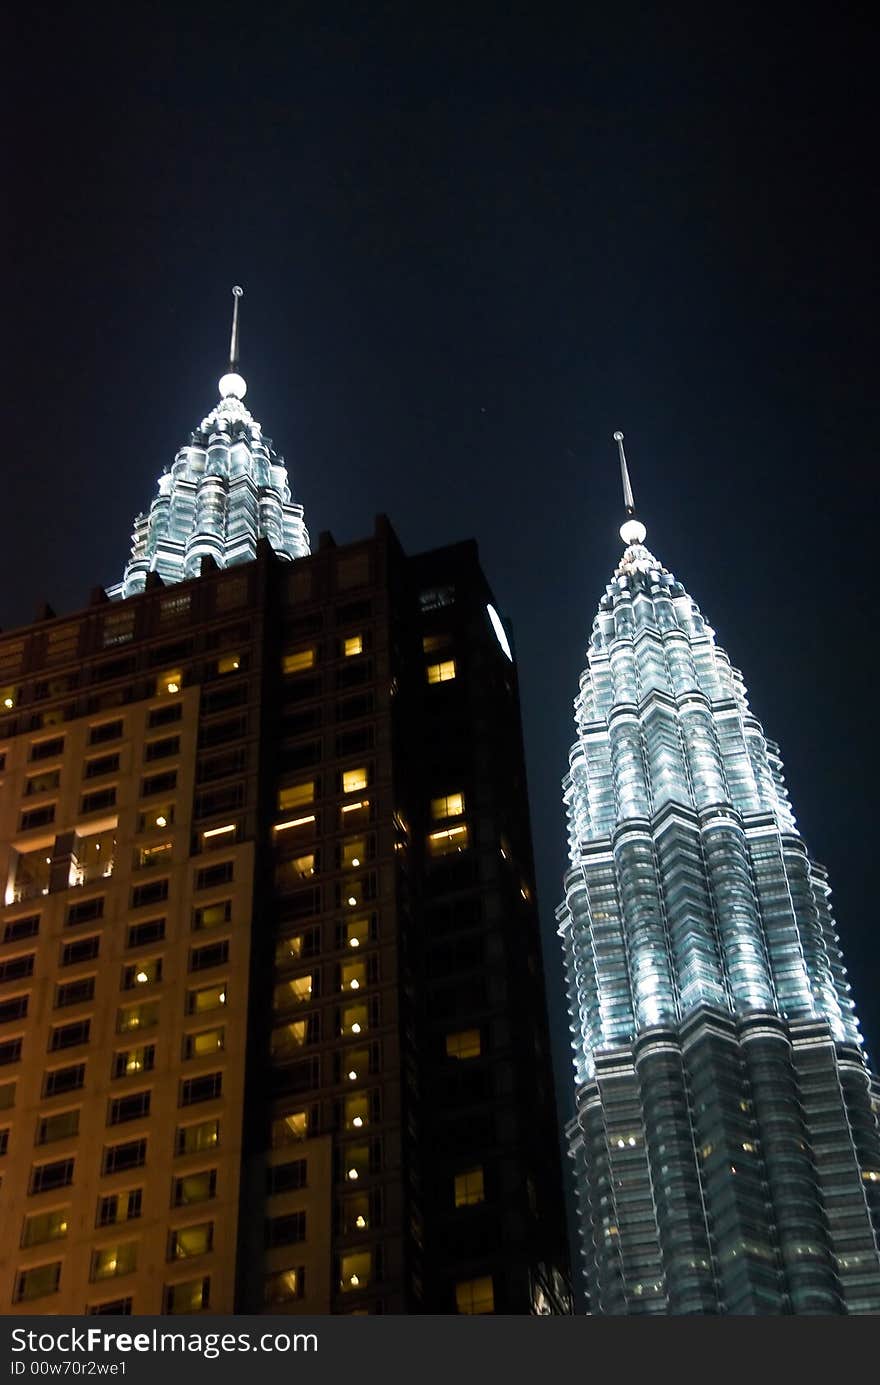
726,1145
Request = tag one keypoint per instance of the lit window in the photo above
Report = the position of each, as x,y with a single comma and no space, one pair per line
469,1188
448,840
191,1297
290,1129
304,866
357,1111
160,816
142,1016
450,805
110,1261
465,1043
356,1213
353,780
8,697
356,1162
357,932
296,795
432,644
44,1226
169,683
444,672
354,1019
206,998
214,837
289,950
307,820
299,661
284,1285
353,645
356,1270
34,1283
147,856
204,1044
289,1036
195,1139
354,851
230,663
356,1064
292,992
354,814
188,1241
354,976
475,1295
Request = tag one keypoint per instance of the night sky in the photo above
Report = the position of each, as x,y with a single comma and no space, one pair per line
474,240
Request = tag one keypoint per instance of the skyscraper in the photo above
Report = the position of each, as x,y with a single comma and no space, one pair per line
272,1017
726,1139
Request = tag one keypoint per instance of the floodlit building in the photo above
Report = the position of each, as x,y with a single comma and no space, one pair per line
272,1016
726,1139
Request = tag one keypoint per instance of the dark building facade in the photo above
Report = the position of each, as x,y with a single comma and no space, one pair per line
272,1013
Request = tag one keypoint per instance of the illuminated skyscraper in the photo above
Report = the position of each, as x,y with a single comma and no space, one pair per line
726,1136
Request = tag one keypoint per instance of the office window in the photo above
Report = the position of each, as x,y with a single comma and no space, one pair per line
194,1187
204,1088
60,1080
212,914
449,805
142,934
198,1138
448,840
205,1043
353,780
465,1043
206,998
75,992
147,973
355,1270
119,1207
469,1187
17,968
296,795
137,1017
130,1155
22,928
298,661
475,1295
132,1106
284,1285
69,1035
443,672
112,1261
37,1282
129,1061
83,950
45,1226
193,1296
46,1177
287,1230
61,1125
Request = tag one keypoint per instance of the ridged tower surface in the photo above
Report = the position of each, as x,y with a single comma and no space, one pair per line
227,489
726,1140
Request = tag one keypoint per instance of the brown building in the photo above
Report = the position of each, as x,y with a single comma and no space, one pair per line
272,1017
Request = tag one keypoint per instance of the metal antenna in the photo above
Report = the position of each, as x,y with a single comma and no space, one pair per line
237,293
628,501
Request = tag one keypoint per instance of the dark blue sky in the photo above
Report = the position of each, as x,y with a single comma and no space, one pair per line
474,241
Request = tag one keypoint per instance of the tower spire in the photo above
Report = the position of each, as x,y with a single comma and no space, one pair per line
632,530
232,384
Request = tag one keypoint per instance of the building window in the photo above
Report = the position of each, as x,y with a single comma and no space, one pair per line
17,968
84,911
47,750
75,992
10,1051
355,1271
475,1295
7,1095
18,929
69,1035
153,893
353,780
137,1017
443,672
46,1177
213,955
37,817
60,1080
204,1044
286,1178
142,934
206,998
197,1139
193,1296
284,1285
188,1241
169,683
119,1207
290,1129
113,1307
354,644
469,1188
102,764
287,1230
159,783
450,805
146,857
112,1261
194,1187
298,661
105,731
132,1106
99,801
212,914
37,1282
118,1158
129,1061
296,796
449,840
42,783
45,1226
204,1088
83,950
165,715
160,750
357,1111
209,876
292,993
465,1043
61,1125
147,973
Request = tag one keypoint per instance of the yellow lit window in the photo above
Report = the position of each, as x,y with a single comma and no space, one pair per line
132,1060
357,1111
290,1129
304,866
289,950
469,1188
356,1064
110,1261
160,816
292,824
354,1019
356,1162
432,644
450,805
190,1297
354,851
444,672
298,661
8,697
214,837
230,663
169,682
465,1043
356,1213
289,1036
44,1226
158,855
142,1016
204,1044
353,780
448,840
207,998
354,814
196,1139
292,992
283,1286
296,795
353,645
191,1240
357,932
475,1295
354,976
356,1270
